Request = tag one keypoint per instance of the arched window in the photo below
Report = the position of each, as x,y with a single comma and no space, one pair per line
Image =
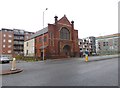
64,33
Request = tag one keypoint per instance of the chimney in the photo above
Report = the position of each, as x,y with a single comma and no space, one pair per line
64,15
72,24
56,19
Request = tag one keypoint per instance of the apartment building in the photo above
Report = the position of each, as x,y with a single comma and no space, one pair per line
88,44
13,41
6,44
108,44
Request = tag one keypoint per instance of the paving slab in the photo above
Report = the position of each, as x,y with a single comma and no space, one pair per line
8,71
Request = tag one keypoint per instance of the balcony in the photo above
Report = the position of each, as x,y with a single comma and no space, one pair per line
18,43
18,49
19,38
17,33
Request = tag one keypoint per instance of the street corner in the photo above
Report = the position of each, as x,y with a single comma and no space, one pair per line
8,71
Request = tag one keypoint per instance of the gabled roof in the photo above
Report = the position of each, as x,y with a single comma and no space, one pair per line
40,32
64,20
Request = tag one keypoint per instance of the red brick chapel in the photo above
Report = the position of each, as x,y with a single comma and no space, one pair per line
60,40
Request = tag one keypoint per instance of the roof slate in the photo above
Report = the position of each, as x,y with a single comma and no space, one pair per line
40,32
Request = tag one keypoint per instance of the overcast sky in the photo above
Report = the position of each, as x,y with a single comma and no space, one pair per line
91,17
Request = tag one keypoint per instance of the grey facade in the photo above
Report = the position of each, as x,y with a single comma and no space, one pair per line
93,44
108,44
18,41
19,37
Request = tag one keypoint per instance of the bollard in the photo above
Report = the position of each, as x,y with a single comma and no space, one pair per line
86,58
86,55
13,64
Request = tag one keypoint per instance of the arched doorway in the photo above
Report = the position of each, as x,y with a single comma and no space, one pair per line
67,50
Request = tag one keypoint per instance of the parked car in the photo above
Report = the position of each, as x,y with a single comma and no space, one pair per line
4,60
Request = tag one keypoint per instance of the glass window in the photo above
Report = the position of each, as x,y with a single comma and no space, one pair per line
45,39
9,46
64,33
40,40
103,43
99,48
80,42
84,40
106,43
4,40
27,43
9,41
115,44
9,51
10,36
21,32
3,46
27,52
80,48
4,35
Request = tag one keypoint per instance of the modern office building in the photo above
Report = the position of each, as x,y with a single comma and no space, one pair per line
108,44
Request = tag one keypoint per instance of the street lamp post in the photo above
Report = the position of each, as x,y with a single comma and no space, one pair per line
43,32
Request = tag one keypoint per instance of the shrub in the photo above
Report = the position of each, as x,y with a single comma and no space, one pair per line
19,57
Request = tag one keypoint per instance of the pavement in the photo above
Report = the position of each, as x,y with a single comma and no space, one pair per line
8,71
90,58
97,58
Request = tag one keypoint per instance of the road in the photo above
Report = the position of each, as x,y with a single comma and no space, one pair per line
72,72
